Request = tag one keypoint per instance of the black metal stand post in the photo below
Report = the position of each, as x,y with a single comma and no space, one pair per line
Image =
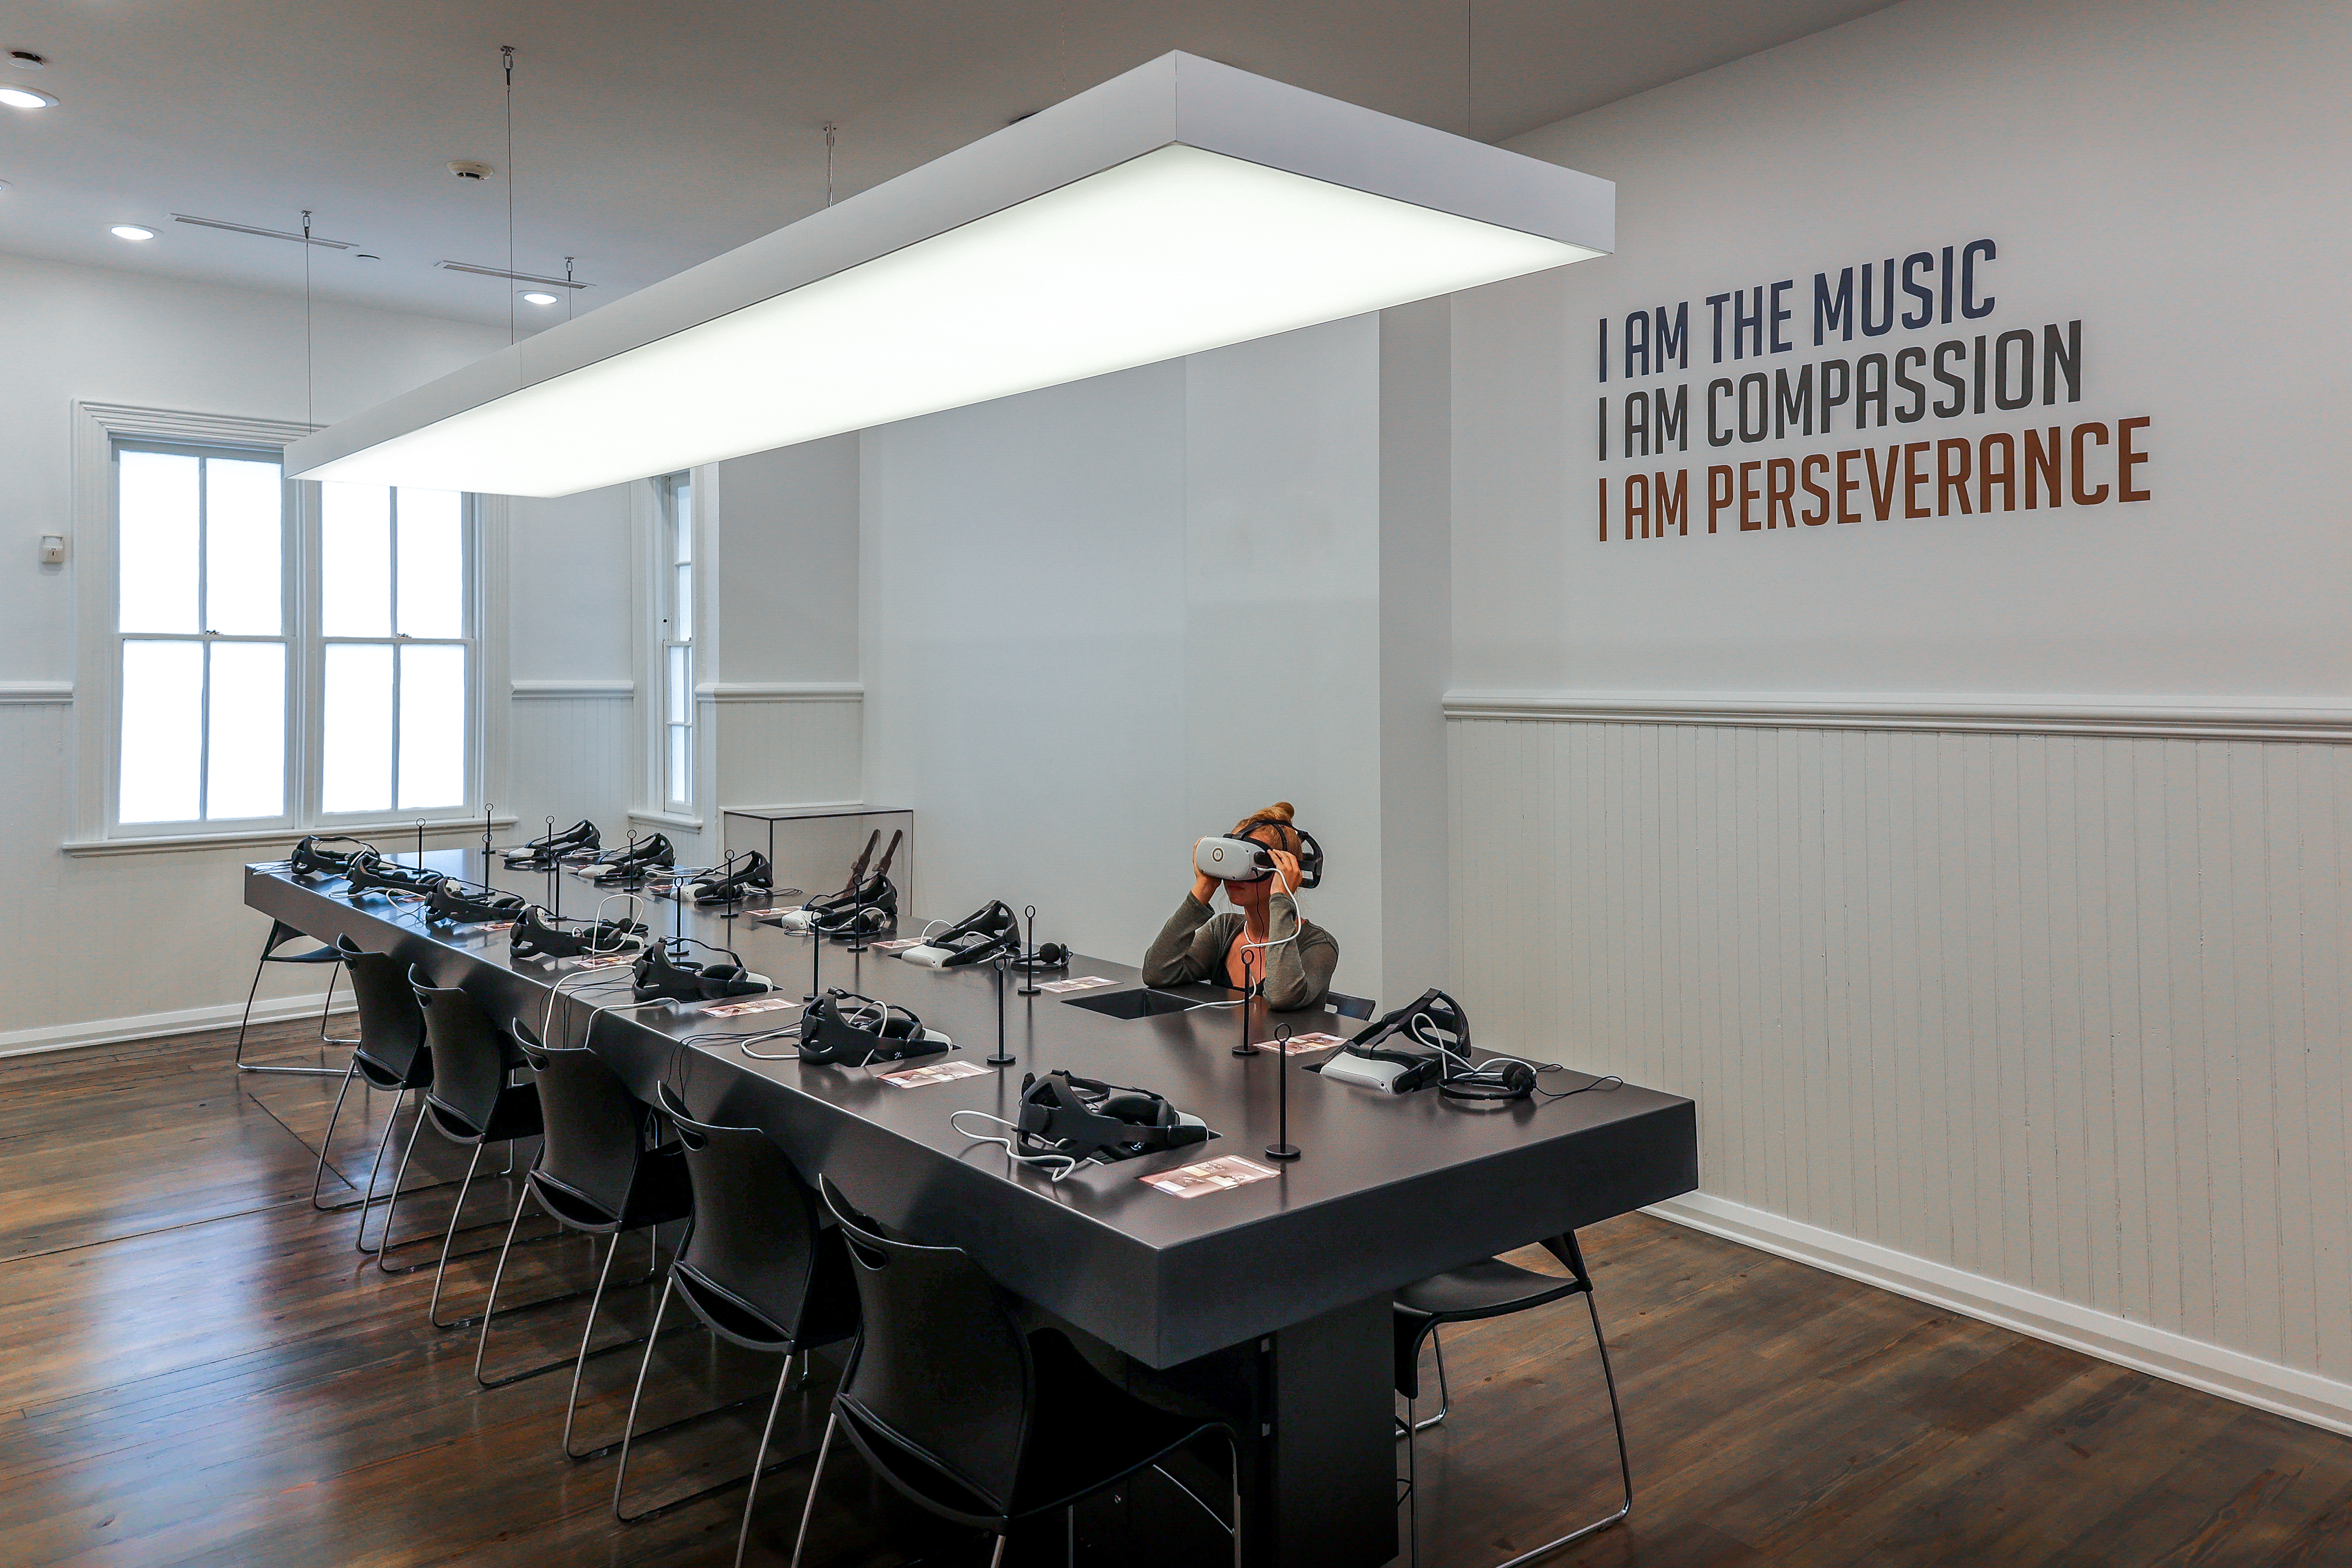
1282,1148
555,876
816,958
1002,1056
1242,1046
485,842
858,919
420,843
1029,966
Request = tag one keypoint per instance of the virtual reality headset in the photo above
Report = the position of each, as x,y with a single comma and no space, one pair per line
633,862
986,933
666,972
454,901
540,935
312,857
738,876
862,906
370,872
580,838
1085,1118
844,1026
1248,860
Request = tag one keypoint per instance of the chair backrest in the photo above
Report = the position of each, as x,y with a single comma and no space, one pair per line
755,1221
1350,1006
941,1365
469,1053
391,1026
594,1127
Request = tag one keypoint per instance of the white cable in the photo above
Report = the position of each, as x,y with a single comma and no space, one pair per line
1068,1162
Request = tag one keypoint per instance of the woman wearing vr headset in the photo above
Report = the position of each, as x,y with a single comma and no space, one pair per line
1264,938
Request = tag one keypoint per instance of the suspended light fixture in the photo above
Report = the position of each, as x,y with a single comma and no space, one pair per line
1182,207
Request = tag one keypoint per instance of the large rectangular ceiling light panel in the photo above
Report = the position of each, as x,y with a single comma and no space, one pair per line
1182,207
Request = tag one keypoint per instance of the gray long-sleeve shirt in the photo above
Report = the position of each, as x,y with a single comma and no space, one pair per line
1193,943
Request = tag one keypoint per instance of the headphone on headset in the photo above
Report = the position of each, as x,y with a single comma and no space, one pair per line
1085,1118
844,1026
664,973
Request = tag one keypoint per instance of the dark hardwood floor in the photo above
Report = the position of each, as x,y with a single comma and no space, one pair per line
198,1368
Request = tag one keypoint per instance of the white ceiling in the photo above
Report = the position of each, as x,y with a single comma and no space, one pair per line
647,137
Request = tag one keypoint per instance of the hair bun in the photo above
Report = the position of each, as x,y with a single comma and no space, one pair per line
1280,811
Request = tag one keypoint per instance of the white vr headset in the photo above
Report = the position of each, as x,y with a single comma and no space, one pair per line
1248,860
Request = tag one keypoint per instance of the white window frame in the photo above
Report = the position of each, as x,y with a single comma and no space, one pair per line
98,428
674,707
652,588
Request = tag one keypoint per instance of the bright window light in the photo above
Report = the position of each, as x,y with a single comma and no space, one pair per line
1171,253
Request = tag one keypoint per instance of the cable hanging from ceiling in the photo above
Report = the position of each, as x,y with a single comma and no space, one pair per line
309,355
507,59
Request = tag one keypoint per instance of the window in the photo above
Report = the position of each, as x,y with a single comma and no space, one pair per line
673,642
284,665
395,654
202,620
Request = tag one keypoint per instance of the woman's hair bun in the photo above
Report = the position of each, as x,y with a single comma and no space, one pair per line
1281,813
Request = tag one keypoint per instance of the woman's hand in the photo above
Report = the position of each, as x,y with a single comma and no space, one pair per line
1285,871
1205,887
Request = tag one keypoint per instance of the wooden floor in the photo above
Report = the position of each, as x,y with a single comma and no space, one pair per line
197,1367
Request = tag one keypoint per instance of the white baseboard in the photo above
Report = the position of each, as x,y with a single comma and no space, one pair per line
2266,1386
148,1026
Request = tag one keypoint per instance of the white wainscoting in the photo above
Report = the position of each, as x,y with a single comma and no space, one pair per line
2063,1012
574,745
797,741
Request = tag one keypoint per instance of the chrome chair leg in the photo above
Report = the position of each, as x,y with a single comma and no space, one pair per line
580,1362
1444,1394
816,1478
1624,1463
441,1272
246,1022
319,1176
490,1310
629,1425
334,973
392,1205
759,1463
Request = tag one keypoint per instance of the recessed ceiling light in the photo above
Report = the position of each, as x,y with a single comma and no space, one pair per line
19,96
130,231
533,297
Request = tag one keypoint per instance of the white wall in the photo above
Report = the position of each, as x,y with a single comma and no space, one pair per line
87,334
1103,620
1896,845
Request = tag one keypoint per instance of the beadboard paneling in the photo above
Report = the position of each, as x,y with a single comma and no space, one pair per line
2062,1011
788,747
572,754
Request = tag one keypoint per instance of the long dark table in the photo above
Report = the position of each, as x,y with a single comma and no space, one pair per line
1268,1301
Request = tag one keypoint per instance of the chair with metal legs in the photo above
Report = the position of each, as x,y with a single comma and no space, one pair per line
472,1101
969,1417
1494,1289
280,933
600,1171
760,1271
391,1057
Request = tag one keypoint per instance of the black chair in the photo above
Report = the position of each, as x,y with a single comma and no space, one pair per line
280,933
1350,1006
600,1171
472,1101
759,1267
968,1416
1494,1289
391,1057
